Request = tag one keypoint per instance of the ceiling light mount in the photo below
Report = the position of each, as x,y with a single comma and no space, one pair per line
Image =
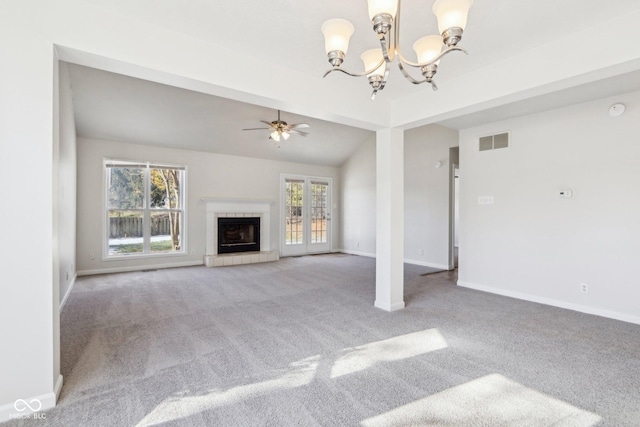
385,18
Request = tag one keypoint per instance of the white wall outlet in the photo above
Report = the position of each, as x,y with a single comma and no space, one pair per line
421,251
566,193
584,288
357,244
92,255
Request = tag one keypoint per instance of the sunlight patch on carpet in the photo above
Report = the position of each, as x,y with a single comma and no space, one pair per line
393,349
300,374
492,400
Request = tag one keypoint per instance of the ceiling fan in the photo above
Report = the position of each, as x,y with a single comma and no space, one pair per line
281,130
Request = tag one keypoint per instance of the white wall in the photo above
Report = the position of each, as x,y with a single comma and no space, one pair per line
426,199
208,175
533,245
66,199
27,305
358,201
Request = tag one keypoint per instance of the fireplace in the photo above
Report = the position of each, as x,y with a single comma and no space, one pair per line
238,235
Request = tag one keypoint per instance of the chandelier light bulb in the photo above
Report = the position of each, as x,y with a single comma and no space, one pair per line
275,136
285,135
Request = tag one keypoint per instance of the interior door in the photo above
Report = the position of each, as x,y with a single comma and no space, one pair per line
306,215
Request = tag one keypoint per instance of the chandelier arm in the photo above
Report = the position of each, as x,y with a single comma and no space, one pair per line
409,77
337,68
448,50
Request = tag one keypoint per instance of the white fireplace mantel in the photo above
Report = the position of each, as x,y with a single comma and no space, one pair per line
229,208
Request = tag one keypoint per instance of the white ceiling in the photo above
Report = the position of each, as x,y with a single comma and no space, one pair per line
287,34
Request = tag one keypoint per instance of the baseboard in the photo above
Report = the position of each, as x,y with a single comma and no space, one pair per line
406,261
393,307
139,267
32,409
58,388
69,289
552,302
350,252
426,264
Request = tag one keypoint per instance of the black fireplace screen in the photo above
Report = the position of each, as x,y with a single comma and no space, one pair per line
238,235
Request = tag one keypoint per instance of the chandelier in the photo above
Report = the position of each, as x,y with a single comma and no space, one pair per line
452,19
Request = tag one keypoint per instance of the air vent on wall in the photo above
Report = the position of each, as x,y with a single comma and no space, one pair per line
493,142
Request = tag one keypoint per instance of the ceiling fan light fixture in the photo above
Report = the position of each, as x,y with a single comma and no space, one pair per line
280,130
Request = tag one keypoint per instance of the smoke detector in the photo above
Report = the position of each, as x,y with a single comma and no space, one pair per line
616,110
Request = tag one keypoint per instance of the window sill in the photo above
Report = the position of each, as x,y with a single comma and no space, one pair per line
144,256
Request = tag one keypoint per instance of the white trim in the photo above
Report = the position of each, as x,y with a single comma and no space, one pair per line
58,387
69,289
407,261
426,264
553,302
350,252
306,248
394,307
139,268
48,401
146,212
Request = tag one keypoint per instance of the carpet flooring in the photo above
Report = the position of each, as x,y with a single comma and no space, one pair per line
298,343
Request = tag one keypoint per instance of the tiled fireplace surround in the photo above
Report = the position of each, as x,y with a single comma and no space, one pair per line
238,208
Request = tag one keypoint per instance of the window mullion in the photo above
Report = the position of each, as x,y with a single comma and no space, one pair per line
147,213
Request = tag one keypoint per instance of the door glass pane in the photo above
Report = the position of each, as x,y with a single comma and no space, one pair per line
293,210
126,188
166,231
125,232
319,212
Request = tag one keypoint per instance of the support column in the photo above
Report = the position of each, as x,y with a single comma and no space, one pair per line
390,219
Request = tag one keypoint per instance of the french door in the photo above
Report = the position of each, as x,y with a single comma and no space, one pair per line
306,215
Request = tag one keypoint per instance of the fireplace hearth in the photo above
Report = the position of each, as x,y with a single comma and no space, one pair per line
238,235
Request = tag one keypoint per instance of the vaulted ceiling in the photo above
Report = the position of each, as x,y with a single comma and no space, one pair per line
285,35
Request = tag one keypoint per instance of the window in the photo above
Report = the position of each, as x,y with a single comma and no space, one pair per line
145,209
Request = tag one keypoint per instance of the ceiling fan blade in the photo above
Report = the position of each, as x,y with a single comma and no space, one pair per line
267,123
299,126
299,132
257,129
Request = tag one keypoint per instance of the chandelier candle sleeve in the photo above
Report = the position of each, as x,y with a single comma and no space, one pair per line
371,58
451,13
427,48
378,7
385,17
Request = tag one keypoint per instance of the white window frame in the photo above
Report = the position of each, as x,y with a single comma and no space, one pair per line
147,210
